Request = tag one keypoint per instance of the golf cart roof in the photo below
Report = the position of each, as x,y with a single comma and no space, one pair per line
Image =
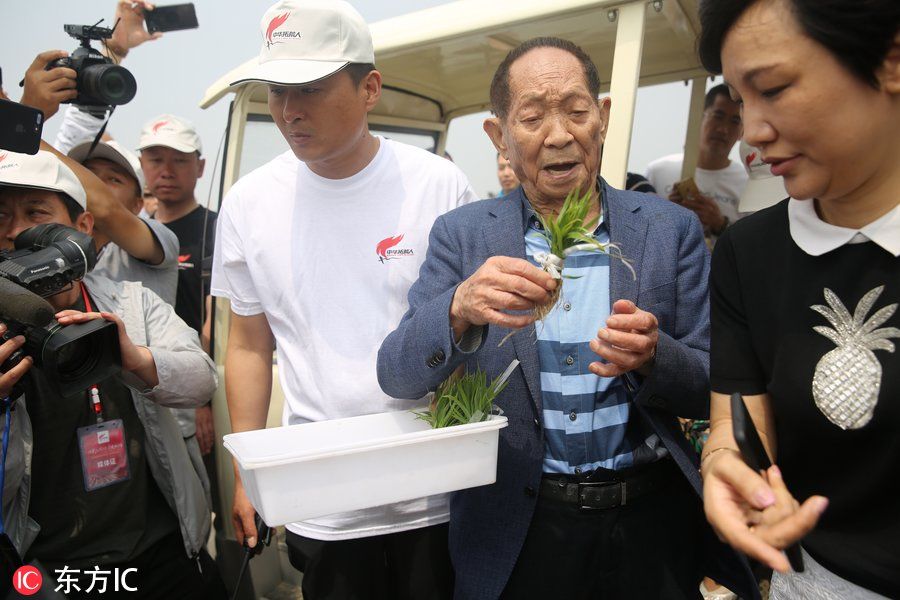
437,63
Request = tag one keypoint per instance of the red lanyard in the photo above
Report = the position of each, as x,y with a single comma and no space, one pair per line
93,391
84,296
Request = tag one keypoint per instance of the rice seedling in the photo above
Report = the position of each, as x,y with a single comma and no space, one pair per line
567,233
465,398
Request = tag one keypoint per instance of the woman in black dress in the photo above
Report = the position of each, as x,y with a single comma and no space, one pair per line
804,295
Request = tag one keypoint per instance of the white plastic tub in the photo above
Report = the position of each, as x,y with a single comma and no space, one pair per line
306,471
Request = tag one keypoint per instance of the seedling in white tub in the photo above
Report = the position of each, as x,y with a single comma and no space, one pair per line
466,398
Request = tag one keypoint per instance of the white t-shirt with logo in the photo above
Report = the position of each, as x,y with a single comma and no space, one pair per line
330,263
725,185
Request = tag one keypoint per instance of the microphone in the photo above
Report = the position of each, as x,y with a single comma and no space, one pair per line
25,307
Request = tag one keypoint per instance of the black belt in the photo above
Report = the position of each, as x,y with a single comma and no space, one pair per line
599,495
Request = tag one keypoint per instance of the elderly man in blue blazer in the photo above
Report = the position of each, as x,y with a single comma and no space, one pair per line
597,492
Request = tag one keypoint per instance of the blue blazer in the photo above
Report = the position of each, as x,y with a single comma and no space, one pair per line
664,243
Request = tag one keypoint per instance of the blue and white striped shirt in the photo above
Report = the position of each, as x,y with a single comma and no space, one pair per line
586,417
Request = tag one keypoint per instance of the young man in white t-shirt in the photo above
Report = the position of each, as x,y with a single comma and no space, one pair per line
316,251
719,179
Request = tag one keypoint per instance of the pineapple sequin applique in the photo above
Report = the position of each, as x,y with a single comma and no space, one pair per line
847,379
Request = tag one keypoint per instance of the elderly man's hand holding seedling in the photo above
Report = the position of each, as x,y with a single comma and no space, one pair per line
501,284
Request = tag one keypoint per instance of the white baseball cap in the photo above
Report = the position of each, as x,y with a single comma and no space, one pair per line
763,189
41,171
113,152
172,132
307,40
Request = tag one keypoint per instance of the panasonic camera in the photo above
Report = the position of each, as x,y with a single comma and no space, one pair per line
100,82
46,261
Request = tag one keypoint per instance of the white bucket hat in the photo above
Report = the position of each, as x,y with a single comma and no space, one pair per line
172,132
763,189
113,152
307,40
41,171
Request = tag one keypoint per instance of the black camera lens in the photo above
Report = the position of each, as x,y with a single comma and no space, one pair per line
75,356
76,359
111,84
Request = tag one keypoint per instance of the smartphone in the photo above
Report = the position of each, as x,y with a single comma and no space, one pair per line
20,127
755,456
171,18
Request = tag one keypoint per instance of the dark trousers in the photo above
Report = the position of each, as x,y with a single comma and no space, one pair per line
164,572
648,549
413,565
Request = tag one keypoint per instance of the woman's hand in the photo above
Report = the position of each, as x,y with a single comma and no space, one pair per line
754,512
11,377
137,359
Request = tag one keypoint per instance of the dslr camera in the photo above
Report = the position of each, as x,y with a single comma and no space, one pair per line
100,82
47,260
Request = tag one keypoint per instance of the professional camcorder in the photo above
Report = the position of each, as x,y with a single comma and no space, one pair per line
47,259
100,82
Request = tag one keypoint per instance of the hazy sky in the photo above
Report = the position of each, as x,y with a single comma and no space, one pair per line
174,72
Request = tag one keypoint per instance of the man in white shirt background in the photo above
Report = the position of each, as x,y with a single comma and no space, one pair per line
316,251
719,179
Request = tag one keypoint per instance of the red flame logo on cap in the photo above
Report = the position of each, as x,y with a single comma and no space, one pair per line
275,24
3,157
750,158
158,125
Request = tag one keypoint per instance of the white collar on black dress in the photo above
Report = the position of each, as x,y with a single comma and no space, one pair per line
816,237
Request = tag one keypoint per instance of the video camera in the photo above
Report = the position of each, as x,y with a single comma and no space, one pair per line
47,259
100,82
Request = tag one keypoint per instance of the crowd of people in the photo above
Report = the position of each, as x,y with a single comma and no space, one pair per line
618,475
